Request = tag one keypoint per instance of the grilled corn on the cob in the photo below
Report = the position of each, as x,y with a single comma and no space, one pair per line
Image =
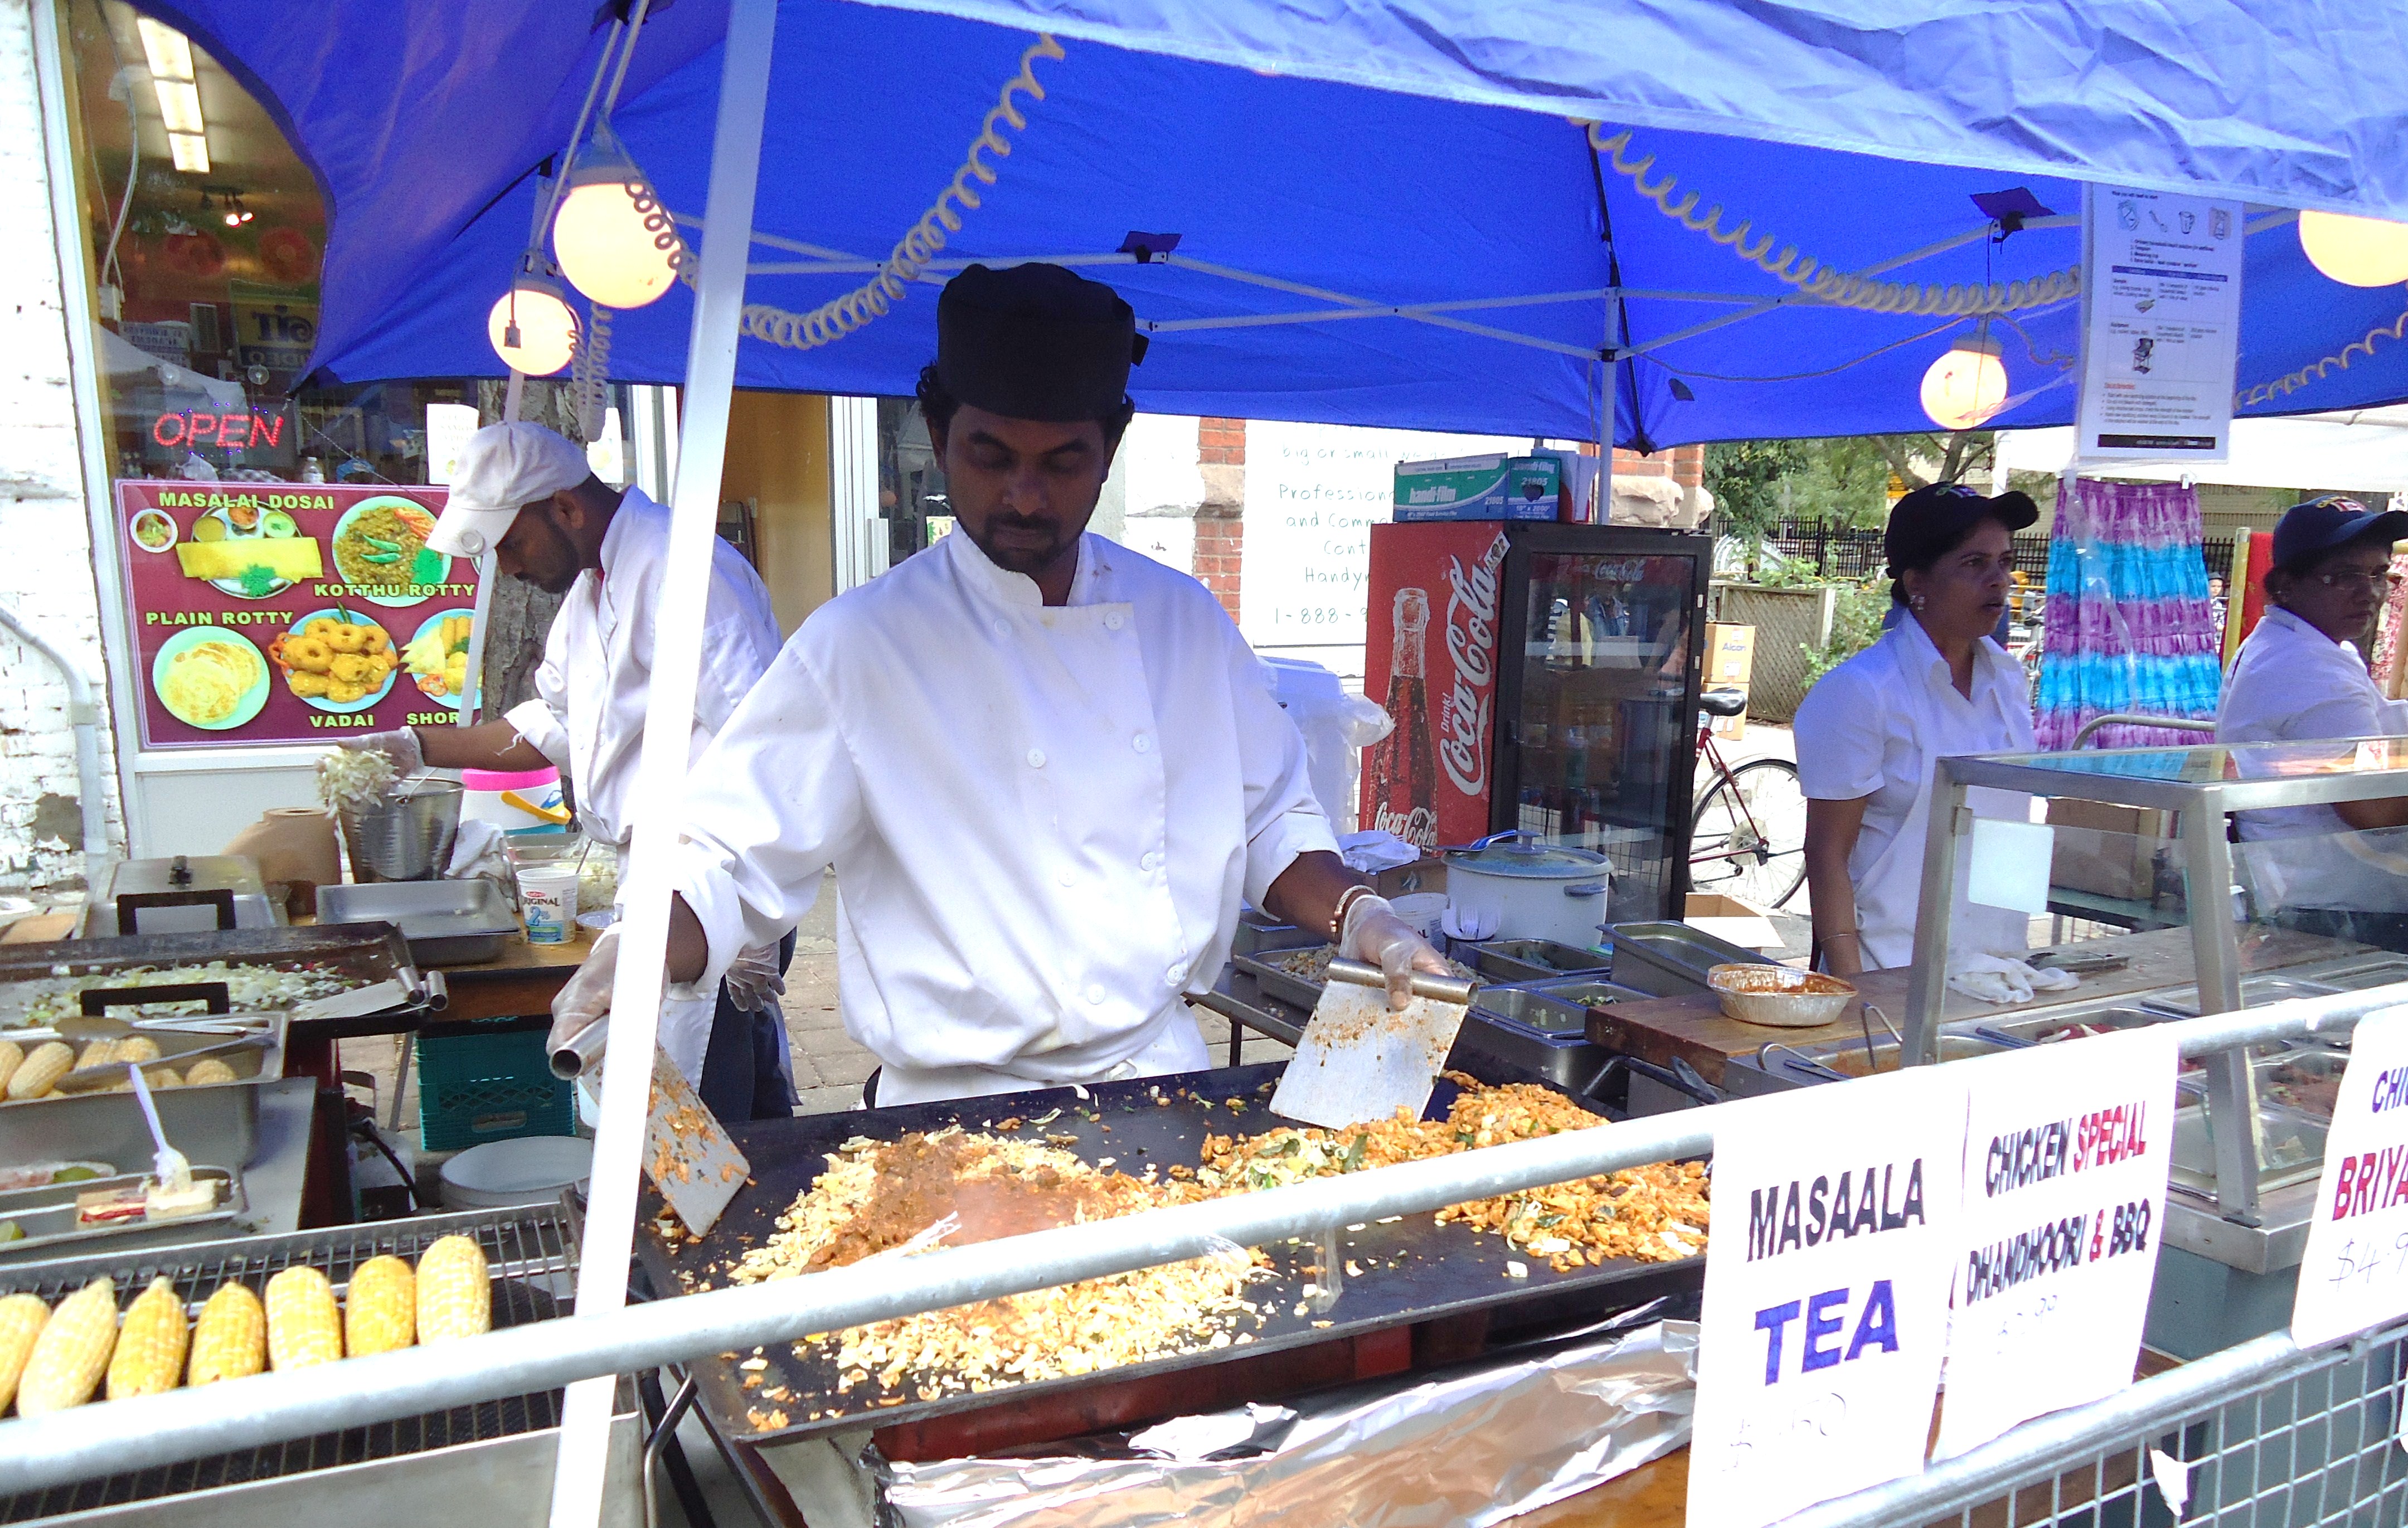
209,1070
149,1356
137,1047
304,1327
72,1353
381,1311
231,1338
454,1298
22,1318
98,1053
50,1061
11,1056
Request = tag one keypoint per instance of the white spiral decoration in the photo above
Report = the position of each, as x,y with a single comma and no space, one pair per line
832,321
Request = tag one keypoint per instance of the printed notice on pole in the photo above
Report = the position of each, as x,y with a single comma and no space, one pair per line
1827,1293
2355,1273
2162,325
2066,1151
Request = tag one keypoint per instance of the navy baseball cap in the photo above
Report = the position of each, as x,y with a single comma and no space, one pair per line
1928,522
2307,531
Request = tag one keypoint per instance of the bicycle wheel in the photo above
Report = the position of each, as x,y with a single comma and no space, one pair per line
1749,836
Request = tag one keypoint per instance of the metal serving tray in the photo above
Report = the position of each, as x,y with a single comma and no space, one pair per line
216,1122
444,922
1535,959
2295,1149
1671,959
2255,992
364,953
47,1217
1587,992
1413,1269
495,1455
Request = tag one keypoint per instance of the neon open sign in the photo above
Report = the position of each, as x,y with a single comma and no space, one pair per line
232,431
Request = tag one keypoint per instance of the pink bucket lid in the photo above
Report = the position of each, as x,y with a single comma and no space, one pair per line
519,780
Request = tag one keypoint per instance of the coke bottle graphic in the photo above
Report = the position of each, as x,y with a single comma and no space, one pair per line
1404,775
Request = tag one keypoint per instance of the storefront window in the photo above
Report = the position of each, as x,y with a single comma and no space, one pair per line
910,481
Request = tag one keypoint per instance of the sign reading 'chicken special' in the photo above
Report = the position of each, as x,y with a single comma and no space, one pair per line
1825,1310
282,613
2067,1148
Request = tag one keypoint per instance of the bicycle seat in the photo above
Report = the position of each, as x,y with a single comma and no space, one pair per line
1723,702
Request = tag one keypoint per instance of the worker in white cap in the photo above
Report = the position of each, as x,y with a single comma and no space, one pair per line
526,495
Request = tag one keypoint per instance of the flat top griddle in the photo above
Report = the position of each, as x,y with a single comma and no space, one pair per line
1412,1270
360,953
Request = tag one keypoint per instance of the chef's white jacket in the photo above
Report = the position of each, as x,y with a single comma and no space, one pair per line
1041,819
593,689
2291,683
1874,728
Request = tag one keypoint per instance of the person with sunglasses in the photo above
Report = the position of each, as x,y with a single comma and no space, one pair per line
2301,676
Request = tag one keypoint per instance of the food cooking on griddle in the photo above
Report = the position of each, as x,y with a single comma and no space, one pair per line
955,1187
1312,965
250,988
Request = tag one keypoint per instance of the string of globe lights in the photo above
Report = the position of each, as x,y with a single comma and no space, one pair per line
612,242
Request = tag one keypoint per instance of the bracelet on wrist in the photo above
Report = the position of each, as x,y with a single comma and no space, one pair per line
1346,900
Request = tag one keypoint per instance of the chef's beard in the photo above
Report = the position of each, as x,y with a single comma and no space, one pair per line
1020,557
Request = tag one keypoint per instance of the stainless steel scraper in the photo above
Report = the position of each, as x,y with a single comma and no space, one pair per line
1357,1060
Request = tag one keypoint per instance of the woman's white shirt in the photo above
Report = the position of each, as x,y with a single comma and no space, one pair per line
1870,731
2290,683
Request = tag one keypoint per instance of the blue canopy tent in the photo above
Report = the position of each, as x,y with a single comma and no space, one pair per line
1302,196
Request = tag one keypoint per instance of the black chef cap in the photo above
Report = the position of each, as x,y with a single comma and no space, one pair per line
1035,341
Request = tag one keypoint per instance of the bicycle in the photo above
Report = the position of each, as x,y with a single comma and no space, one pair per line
1748,838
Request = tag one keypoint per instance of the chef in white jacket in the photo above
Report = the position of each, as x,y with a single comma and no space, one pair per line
1045,768
525,492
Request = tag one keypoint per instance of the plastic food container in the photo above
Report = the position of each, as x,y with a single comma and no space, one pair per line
531,1169
548,900
521,801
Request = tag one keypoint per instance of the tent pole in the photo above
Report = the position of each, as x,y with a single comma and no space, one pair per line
669,732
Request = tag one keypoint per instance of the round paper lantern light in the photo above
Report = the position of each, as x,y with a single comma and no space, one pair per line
533,328
615,240
1967,386
2355,250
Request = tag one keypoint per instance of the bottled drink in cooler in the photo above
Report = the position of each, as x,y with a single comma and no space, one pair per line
1403,769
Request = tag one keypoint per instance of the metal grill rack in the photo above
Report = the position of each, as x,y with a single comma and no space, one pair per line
533,1256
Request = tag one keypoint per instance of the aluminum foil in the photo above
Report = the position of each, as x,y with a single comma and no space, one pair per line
1472,1446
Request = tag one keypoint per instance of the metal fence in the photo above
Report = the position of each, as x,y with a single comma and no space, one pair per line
1851,553
2260,1434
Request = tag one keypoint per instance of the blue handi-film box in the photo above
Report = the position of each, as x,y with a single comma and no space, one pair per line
1494,487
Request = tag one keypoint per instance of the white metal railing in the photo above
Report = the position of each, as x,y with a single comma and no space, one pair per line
101,1440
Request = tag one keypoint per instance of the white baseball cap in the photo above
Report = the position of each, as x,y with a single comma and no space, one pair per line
502,469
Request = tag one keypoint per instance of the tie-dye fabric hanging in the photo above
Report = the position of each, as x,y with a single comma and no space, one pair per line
2130,628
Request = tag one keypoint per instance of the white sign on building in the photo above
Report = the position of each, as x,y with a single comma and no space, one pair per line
1313,492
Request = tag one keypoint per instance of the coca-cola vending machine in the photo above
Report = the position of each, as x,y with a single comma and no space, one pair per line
1544,677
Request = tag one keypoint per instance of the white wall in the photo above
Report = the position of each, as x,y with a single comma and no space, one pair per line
46,574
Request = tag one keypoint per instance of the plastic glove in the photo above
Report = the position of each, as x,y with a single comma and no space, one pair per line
584,1000
1377,937
1999,978
754,982
400,745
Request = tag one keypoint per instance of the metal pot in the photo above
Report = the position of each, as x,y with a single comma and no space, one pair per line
1512,886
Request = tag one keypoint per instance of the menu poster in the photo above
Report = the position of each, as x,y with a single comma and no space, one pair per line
2066,1152
1827,1293
2355,1272
288,613
2162,325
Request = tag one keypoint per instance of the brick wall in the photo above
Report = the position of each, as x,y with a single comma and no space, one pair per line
1220,520
47,578
1684,465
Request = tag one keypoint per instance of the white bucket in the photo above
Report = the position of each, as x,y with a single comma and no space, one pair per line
548,897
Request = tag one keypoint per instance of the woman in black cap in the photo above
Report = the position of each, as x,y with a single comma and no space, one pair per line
2302,677
1937,684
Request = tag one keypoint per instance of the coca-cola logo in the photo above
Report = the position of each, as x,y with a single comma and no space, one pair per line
1417,826
1471,647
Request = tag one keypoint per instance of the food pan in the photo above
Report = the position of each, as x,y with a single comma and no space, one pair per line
1253,937
2255,992
1535,959
1587,992
216,1122
1529,1008
1671,959
45,1217
2295,1149
444,922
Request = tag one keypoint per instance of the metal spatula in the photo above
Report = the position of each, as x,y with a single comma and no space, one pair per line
687,1154
1358,1061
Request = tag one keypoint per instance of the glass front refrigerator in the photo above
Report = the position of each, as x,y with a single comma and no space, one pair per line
1543,678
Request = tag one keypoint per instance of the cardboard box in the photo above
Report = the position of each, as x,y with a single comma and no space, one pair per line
1729,919
1730,654
2106,850
1494,487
